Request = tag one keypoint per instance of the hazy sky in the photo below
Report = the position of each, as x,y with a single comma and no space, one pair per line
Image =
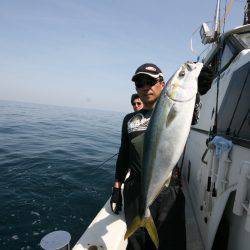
83,53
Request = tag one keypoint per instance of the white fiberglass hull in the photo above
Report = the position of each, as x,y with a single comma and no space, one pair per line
219,184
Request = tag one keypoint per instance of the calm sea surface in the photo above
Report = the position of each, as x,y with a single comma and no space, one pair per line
51,178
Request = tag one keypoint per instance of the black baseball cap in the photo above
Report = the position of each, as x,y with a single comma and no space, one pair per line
149,69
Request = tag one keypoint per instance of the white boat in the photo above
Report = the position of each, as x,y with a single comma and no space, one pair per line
217,172
216,162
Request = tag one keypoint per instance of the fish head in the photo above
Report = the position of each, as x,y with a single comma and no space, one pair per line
182,87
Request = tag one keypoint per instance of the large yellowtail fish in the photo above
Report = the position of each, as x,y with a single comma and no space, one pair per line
164,141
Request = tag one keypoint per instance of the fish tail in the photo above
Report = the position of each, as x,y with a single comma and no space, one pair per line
152,231
136,223
146,222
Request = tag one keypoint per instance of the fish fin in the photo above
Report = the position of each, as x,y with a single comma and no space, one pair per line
138,142
136,223
171,115
146,222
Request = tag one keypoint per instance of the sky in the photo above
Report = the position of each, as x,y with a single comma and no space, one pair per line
83,53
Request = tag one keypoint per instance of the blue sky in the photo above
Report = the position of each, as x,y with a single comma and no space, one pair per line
83,53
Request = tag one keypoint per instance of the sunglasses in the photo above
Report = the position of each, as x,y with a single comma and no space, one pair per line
145,81
136,103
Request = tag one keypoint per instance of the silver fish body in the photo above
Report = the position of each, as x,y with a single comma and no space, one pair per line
168,130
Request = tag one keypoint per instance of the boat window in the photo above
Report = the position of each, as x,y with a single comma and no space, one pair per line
227,55
229,51
245,37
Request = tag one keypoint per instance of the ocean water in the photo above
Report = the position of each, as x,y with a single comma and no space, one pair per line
51,178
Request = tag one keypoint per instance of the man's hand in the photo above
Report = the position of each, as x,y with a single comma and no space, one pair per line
205,80
116,200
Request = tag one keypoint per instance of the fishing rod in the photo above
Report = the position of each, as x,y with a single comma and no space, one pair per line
110,158
100,165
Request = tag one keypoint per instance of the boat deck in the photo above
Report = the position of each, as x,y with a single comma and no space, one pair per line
107,230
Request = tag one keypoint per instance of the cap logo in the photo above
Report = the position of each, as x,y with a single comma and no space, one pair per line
150,68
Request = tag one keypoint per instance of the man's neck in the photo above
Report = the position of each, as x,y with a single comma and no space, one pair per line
149,106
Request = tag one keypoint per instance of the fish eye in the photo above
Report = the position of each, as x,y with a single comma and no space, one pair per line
182,73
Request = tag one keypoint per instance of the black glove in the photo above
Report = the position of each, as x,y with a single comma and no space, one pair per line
197,108
116,200
205,80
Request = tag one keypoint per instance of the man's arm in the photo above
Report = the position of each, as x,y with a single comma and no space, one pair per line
121,170
197,108
205,80
122,160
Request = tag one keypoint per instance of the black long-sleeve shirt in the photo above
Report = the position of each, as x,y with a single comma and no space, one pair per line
134,124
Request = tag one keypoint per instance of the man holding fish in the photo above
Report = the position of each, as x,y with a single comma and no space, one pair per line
151,144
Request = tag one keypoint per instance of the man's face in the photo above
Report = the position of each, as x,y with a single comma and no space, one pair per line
137,104
149,89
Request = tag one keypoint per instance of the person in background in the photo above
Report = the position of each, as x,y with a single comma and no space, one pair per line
136,102
168,210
